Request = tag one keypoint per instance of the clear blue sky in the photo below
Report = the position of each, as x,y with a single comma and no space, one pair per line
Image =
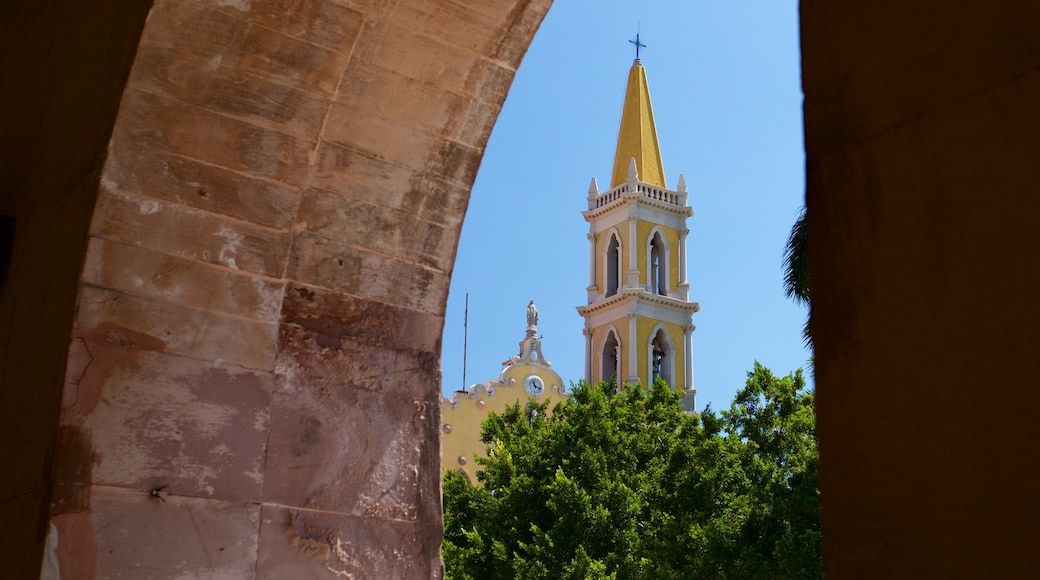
725,84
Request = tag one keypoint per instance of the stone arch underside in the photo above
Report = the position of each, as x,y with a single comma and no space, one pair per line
259,312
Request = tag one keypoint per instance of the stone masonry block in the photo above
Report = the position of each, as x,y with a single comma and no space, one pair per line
190,332
144,171
455,162
338,448
146,538
334,317
471,124
356,175
379,137
432,110
176,127
362,176
149,274
164,71
189,233
151,419
457,23
378,91
421,58
503,10
228,39
376,227
404,374
329,264
489,82
521,24
451,23
333,24
325,546
437,201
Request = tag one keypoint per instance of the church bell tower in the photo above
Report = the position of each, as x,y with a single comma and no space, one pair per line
639,320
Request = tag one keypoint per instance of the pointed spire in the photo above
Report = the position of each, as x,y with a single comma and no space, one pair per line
593,188
684,195
633,172
637,137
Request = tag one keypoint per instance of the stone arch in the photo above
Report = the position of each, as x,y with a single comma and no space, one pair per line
271,202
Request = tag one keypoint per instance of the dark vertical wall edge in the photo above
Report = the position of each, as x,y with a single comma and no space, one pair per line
64,66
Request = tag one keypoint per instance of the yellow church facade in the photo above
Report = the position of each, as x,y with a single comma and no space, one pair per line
638,319
526,377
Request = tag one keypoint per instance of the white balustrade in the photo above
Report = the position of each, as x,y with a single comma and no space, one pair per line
648,191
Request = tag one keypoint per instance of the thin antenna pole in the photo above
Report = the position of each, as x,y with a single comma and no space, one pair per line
465,340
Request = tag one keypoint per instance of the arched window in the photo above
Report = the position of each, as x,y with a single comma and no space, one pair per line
610,357
613,265
657,265
662,357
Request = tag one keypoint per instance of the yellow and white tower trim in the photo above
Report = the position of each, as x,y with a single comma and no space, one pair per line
639,320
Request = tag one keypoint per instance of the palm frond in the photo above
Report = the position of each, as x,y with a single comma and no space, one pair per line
796,261
796,269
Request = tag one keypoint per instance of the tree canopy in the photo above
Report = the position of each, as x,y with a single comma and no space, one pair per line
627,485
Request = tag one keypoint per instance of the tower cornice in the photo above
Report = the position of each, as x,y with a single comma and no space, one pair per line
639,193
635,296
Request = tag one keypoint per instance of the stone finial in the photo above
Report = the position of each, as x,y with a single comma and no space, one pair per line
681,186
593,188
633,173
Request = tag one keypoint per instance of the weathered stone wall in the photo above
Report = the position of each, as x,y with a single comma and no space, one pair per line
258,318
922,127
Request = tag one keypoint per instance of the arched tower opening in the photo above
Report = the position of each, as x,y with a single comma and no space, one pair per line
657,265
610,357
661,353
613,259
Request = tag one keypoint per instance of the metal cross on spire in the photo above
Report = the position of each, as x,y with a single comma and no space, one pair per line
637,43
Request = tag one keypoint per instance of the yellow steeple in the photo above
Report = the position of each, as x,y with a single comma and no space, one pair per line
637,137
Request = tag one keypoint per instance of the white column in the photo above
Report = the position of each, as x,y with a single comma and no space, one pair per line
633,246
633,350
690,394
684,285
688,356
592,265
588,354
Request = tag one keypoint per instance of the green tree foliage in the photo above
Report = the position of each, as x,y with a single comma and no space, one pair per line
626,485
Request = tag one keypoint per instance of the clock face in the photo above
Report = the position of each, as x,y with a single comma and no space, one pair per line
534,385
